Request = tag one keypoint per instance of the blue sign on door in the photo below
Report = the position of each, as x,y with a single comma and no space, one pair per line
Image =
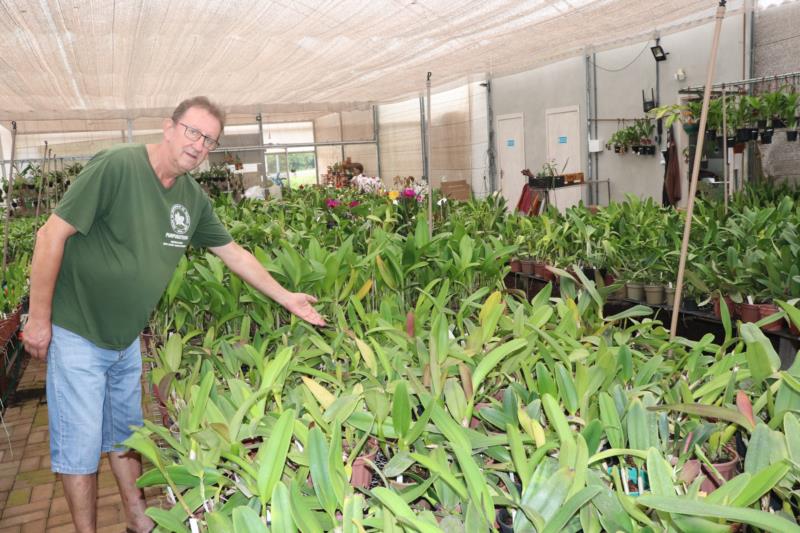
510,143
562,139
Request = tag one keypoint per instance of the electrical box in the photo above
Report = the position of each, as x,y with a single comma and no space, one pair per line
595,145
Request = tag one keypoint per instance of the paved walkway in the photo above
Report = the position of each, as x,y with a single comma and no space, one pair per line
31,496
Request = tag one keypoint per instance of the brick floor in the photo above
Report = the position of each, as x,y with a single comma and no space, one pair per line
31,496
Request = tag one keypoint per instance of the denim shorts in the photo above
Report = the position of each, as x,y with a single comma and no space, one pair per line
94,396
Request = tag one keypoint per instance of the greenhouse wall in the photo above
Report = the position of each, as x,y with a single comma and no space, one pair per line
620,96
532,93
777,36
479,129
622,74
400,140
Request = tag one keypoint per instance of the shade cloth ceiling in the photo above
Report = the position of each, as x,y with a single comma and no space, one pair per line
91,63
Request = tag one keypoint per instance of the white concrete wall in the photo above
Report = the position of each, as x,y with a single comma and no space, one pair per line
621,76
532,93
777,36
5,153
479,139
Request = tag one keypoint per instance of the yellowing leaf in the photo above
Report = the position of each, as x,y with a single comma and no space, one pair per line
323,396
364,290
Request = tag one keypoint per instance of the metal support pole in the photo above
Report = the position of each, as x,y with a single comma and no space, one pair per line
341,134
316,149
43,170
53,167
589,116
490,153
423,139
261,143
9,194
2,163
687,228
288,168
428,159
375,135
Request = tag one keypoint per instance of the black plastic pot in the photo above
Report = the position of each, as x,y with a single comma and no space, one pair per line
711,135
778,123
636,149
761,124
766,136
505,521
753,134
742,135
791,135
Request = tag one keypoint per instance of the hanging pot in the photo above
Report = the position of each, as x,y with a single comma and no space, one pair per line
691,128
742,135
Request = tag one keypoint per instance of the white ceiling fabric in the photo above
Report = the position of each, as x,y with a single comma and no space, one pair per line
118,59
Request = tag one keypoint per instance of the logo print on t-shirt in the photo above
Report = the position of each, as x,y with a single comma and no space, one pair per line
179,218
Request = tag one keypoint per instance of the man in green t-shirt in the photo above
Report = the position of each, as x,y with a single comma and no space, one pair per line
100,264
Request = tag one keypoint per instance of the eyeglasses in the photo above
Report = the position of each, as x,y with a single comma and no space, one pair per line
194,134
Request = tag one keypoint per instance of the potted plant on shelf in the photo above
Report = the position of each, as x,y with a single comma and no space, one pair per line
789,115
714,120
644,129
772,105
549,176
620,141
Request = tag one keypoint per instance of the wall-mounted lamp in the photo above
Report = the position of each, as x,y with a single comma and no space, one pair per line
658,53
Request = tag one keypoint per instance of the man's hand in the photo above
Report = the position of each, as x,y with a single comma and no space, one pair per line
245,265
36,337
299,304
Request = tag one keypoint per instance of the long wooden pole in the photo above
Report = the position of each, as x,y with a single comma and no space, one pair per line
9,194
687,228
725,170
428,149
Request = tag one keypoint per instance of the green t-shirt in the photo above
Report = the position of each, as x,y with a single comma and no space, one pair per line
132,232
